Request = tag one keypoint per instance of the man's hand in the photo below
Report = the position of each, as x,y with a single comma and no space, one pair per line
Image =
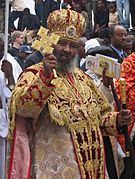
7,68
124,118
49,63
8,71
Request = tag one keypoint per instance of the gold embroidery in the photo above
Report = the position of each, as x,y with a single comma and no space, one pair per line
82,118
79,111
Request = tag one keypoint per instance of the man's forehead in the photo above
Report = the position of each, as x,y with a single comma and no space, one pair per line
68,41
120,29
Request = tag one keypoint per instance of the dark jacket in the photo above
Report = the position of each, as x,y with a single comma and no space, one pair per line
116,55
108,51
33,58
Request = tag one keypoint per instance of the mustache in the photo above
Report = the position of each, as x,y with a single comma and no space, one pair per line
65,54
68,55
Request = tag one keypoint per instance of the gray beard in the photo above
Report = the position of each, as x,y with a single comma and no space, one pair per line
67,67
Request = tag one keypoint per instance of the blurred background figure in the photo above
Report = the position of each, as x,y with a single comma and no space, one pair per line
113,14
29,21
17,39
65,5
78,8
24,51
50,6
90,7
124,12
127,46
9,73
81,53
34,58
132,10
39,10
101,19
17,7
118,36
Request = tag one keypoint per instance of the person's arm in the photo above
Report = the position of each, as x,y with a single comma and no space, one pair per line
33,89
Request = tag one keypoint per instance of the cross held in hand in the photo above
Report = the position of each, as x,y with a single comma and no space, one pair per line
45,42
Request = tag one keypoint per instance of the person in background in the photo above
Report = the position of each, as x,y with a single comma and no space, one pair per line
73,2
34,58
9,66
65,5
50,6
110,1
118,35
78,8
90,7
123,9
59,122
17,39
29,21
113,14
24,51
3,126
128,73
39,10
133,45
9,72
81,52
127,46
17,12
132,10
101,18
30,36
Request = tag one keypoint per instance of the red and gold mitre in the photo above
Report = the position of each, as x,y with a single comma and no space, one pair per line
68,24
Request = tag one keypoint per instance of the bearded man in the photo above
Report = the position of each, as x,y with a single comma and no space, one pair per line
58,123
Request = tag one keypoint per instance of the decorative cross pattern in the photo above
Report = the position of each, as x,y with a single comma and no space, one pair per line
46,40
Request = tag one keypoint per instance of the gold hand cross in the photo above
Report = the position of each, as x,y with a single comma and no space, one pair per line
45,42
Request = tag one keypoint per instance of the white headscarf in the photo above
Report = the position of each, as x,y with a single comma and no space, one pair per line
91,44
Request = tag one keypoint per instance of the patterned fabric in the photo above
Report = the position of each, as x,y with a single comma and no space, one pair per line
128,73
53,155
68,118
68,24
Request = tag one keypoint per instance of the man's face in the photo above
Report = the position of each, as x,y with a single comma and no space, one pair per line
20,39
119,37
100,5
65,52
1,49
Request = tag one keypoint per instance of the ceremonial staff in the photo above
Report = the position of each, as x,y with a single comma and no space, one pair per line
129,160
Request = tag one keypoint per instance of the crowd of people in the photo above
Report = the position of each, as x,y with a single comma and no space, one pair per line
60,119
99,14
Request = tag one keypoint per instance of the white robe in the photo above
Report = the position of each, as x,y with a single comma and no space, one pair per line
5,94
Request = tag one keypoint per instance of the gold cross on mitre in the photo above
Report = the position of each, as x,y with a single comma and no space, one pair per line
45,42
